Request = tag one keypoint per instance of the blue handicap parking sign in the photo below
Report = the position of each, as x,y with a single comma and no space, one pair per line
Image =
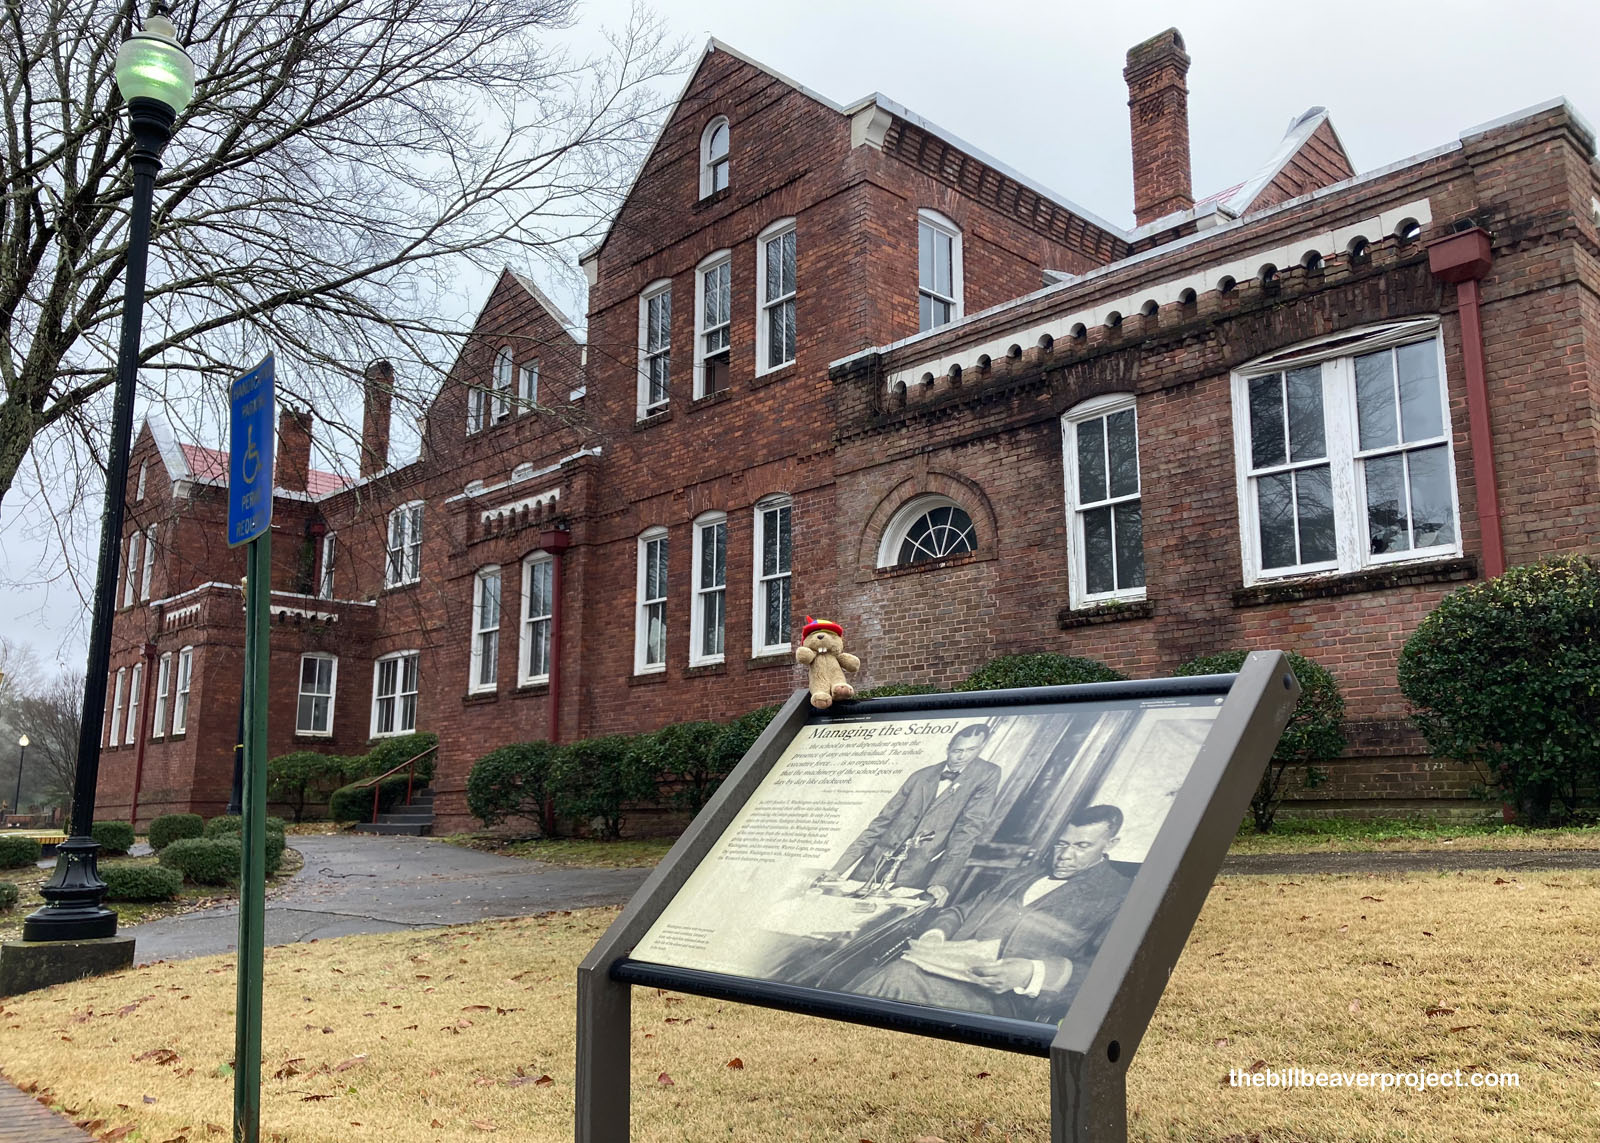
253,401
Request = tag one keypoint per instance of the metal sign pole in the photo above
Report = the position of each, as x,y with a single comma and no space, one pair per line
252,881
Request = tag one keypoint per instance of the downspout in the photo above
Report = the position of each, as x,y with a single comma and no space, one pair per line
1463,258
139,743
556,541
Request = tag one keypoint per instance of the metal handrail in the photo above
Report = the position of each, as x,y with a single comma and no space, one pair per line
410,777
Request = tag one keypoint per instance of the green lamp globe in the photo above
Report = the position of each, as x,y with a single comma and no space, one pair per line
152,65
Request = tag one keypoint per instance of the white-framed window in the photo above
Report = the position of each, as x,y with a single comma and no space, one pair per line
655,348
319,676
114,734
650,623
1344,455
130,575
929,527
325,563
163,681
180,690
394,693
477,408
503,376
485,630
714,156
149,564
528,384
538,601
144,468
775,287
713,318
135,697
708,610
774,562
1105,531
938,270
404,564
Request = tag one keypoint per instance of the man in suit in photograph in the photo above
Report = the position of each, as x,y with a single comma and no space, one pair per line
1049,922
937,814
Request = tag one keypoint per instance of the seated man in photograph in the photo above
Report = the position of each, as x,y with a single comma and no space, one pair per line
1047,924
925,833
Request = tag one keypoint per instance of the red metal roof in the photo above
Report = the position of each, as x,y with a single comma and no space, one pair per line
211,464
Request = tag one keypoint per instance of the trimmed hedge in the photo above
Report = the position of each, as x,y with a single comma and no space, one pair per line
510,782
686,751
595,778
738,737
19,852
1315,732
353,802
8,895
304,777
898,690
140,882
232,825
387,753
114,837
169,828
204,860
1042,670
1505,675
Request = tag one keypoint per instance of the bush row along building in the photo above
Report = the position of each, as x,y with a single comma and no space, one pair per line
839,361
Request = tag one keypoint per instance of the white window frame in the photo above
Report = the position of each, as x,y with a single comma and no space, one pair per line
894,535
644,606
535,629
301,694
1094,409
180,690
399,694
115,730
776,232
722,259
477,409
776,503
130,574
148,572
158,728
326,562
649,353
403,561
709,163
528,384
135,700
705,594
138,494
485,670
504,376
946,227
1336,355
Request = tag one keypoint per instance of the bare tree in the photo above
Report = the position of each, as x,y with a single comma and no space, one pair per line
341,160
50,717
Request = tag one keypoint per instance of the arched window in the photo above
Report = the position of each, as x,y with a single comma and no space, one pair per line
714,157
930,527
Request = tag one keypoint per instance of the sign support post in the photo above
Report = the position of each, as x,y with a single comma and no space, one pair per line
250,522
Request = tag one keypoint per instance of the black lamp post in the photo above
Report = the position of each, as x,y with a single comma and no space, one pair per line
22,752
156,77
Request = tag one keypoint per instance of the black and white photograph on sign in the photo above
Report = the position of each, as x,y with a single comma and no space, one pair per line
968,860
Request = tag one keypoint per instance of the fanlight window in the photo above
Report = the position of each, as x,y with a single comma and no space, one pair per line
929,528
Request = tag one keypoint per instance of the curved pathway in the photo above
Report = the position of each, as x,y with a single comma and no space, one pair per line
360,883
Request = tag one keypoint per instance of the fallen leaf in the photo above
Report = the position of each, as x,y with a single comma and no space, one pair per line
346,1065
927,1139
1369,897
1220,1042
1437,1011
664,1078
542,1081
315,1097
476,1008
435,1123
736,1064
1257,1066
1463,1028
157,1056
981,1075
149,1099
125,1130
289,1068
484,1125
1355,1006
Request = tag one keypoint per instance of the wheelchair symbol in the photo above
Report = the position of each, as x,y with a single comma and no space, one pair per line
250,468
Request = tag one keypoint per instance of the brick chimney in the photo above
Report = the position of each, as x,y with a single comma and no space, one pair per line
292,471
1158,105
376,404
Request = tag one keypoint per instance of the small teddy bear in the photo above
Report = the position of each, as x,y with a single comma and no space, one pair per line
822,652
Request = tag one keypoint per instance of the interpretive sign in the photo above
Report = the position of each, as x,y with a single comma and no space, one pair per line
1012,868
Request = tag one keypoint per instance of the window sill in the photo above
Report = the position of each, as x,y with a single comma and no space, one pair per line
713,198
701,670
1350,583
648,680
479,698
531,690
932,565
710,399
313,736
1110,612
768,376
177,736
771,659
393,587
657,418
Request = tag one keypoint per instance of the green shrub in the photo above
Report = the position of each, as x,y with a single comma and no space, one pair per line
19,852
686,751
114,837
1505,675
1315,732
8,895
594,779
276,844
353,803
204,860
387,753
510,782
898,690
304,776
1042,670
140,882
169,828
232,825
737,738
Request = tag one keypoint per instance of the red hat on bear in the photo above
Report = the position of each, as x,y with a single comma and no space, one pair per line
820,625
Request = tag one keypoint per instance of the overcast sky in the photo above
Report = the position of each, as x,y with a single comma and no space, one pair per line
1039,86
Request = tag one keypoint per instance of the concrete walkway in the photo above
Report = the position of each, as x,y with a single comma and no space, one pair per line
360,883
24,1119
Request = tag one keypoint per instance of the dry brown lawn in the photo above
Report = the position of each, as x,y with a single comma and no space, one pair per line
457,1034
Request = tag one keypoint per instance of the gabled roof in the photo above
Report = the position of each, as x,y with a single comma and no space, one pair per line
577,332
1300,131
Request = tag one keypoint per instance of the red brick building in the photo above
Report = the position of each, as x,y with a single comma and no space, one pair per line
839,361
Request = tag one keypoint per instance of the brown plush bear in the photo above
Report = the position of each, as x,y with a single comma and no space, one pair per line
822,652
